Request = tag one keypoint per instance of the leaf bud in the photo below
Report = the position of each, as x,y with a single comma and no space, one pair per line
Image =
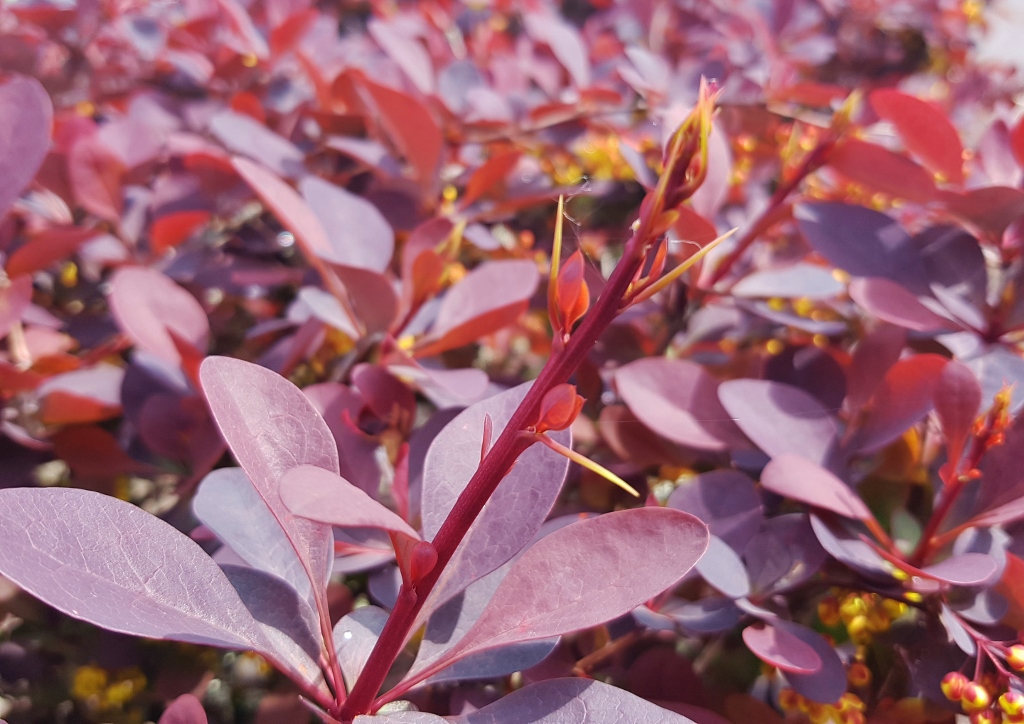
559,408
1015,657
985,716
858,675
1012,702
953,685
975,698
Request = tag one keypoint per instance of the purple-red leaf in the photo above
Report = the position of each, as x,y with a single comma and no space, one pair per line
580,701
245,135
828,683
797,478
861,241
586,574
110,563
358,233
515,511
491,296
407,53
780,418
326,497
271,427
882,170
725,500
150,308
24,135
892,303
781,649
186,709
676,399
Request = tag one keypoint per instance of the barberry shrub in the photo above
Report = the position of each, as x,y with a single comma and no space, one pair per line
510,363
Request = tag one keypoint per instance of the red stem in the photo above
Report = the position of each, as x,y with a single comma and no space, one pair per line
815,159
493,468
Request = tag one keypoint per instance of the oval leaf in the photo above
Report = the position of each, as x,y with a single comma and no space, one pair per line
27,111
359,234
271,427
107,562
781,649
628,556
153,310
515,511
678,400
924,130
780,418
797,478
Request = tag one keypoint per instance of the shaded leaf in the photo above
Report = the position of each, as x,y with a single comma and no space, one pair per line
186,709
860,241
779,418
779,648
244,135
828,683
726,500
797,478
355,635
723,570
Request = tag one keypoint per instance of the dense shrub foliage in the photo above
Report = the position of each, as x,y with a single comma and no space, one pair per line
511,362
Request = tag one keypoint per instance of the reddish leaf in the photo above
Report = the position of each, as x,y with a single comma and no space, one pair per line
289,208
167,232
957,402
24,135
490,297
87,395
411,127
797,478
288,34
95,172
572,297
92,453
1017,142
892,303
547,590
905,396
46,248
875,353
489,174
407,53
880,169
186,709
243,28
781,649
154,312
924,130
559,408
